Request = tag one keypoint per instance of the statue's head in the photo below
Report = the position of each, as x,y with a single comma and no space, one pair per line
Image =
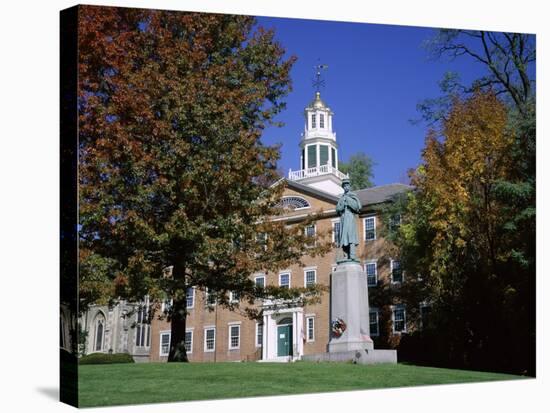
346,185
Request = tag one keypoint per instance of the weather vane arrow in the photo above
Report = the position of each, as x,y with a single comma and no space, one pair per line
317,81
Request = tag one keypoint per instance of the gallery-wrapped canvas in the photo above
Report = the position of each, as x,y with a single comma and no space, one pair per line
219,240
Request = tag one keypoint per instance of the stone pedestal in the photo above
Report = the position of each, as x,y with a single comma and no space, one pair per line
349,302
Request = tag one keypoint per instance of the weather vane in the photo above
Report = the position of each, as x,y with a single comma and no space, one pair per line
317,81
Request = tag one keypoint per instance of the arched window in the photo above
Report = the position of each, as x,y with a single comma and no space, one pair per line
99,332
293,202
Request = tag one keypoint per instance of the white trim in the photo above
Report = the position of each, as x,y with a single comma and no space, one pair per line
206,295
193,295
313,243
391,272
163,305
169,334
294,209
190,330
375,262
308,339
257,345
232,297
306,270
423,304
214,346
393,308
230,326
373,217
259,276
332,222
289,278
375,310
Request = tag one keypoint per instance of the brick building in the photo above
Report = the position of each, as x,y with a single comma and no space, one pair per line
287,330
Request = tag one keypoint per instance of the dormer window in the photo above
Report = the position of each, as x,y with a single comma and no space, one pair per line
313,122
321,121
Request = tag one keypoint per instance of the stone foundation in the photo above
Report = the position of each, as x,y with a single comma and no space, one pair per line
358,356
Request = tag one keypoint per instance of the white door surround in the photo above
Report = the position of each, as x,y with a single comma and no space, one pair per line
274,312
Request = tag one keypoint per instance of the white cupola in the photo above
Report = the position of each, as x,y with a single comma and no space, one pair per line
319,150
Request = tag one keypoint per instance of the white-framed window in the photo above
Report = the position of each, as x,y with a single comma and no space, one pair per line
321,120
166,305
259,334
209,339
210,297
310,328
425,311
313,123
234,336
260,281
164,348
284,280
336,231
190,297
261,240
310,277
395,221
234,296
369,223
310,233
372,273
143,327
396,272
373,322
399,319
189,341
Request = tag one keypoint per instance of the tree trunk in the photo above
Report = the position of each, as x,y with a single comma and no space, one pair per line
179,314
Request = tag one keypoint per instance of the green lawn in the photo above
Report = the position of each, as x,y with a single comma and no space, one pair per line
106,385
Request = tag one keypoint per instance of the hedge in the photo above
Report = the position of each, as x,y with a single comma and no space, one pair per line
103,358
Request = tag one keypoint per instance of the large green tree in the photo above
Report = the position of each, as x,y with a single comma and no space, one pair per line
359,168
173,172
470,232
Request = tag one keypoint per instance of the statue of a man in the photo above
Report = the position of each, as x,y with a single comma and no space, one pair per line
347,208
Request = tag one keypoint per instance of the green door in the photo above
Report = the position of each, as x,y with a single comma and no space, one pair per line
284,340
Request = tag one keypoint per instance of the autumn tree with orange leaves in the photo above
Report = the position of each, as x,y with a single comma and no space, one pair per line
459,250
172,169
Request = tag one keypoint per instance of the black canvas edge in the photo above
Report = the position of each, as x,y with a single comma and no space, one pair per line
68,382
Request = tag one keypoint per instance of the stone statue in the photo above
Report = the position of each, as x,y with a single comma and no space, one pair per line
347,208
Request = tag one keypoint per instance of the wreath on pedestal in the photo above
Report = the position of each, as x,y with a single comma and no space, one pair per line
338,327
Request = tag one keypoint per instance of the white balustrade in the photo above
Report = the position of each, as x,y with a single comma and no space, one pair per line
316,171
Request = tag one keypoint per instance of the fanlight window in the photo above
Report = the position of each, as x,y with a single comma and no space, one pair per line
293,202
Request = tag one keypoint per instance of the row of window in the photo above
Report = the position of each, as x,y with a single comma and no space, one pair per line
143,331
369,227
234,337
314,120
399,320
310,275
322,151
371,269
399,325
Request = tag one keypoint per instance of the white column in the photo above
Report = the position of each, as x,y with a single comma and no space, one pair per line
294,335
264,339
300,330
317,147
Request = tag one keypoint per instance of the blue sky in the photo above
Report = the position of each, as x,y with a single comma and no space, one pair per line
376,76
